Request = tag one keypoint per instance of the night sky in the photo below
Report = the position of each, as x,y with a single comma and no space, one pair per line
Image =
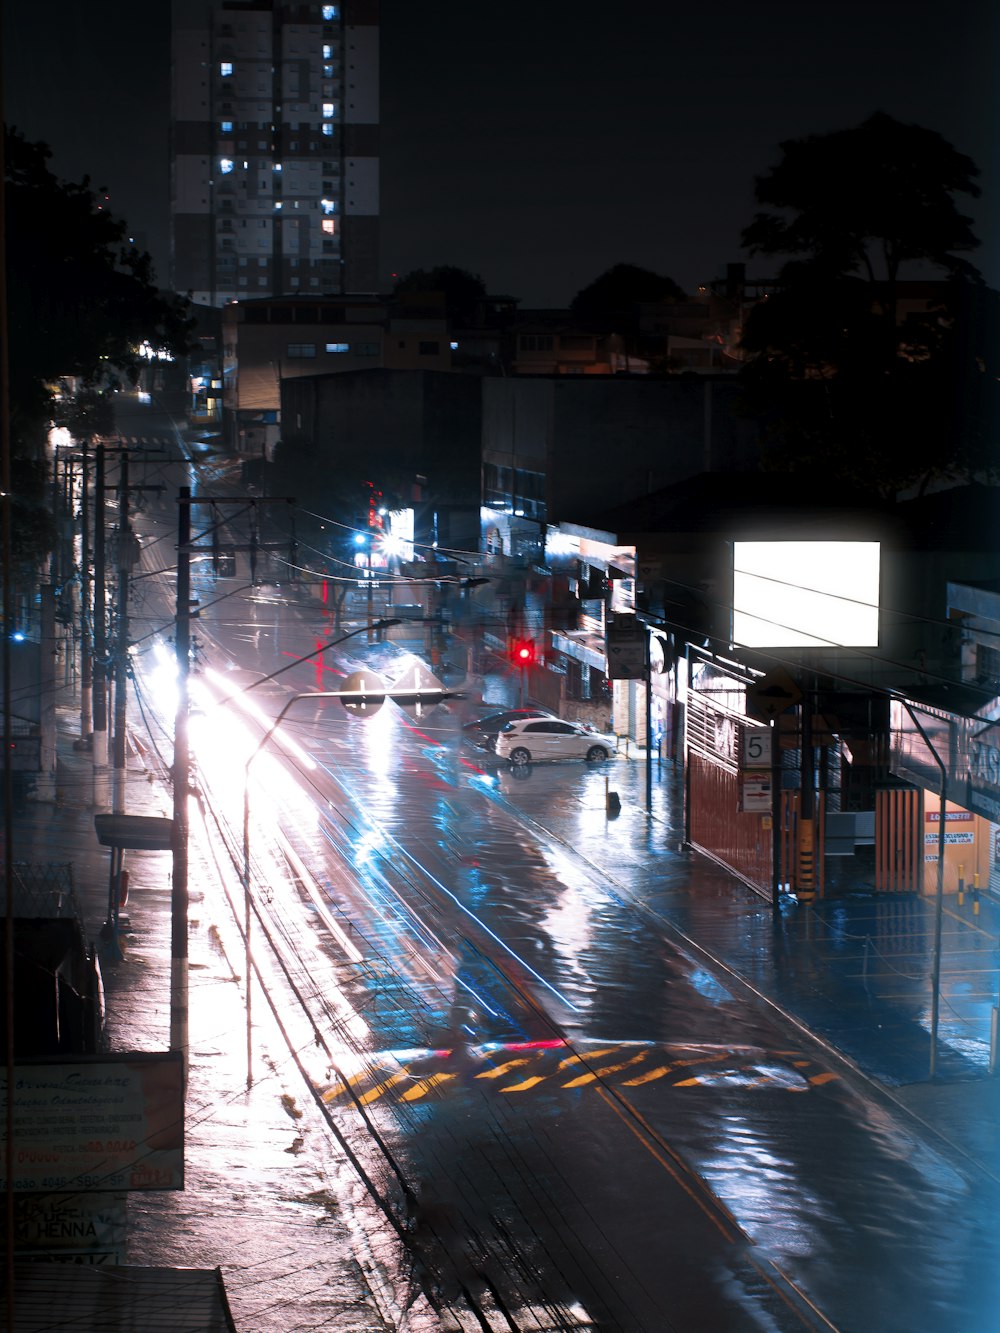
538,151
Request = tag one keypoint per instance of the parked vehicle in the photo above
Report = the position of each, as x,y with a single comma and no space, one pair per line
535,740
484,730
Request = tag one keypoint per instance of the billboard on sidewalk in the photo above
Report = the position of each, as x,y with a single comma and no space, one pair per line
802,594
105,1123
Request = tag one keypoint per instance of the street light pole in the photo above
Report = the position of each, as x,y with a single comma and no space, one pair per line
323,694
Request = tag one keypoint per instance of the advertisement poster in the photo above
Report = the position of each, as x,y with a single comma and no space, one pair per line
105,1123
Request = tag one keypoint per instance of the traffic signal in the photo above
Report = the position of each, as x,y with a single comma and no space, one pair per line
522,652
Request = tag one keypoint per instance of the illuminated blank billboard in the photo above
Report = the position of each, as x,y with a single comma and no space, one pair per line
805,594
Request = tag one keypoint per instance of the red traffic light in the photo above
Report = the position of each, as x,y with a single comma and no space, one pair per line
523,652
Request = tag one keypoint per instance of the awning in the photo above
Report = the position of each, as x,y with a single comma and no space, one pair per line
134,833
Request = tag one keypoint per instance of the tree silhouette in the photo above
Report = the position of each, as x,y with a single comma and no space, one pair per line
81,297
847,386
463,293
80,302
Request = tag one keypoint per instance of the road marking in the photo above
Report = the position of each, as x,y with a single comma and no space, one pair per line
528,1083
425,1085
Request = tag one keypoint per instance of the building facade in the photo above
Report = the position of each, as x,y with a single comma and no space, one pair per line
274,151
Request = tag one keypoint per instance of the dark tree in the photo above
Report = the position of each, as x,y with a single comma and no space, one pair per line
849,388
463,293
81,297
80,301
611,305
613,298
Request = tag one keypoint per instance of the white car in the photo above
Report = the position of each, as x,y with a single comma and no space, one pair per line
532,740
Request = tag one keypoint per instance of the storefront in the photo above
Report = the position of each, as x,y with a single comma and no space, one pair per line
954,760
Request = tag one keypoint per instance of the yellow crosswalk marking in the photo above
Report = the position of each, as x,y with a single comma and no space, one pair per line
424,1086
381,1088
602,1073
500,1070
523,1087
647,1077
588,1055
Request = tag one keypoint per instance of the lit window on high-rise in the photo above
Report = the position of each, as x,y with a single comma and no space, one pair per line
330,12
329,226
226,68
328,129
328,205
329,110
327,51
226,127
226,165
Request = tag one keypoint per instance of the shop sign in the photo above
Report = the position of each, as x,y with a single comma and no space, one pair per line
984,777
950,838
756,748
626,649
70,1228
755,795
100,1124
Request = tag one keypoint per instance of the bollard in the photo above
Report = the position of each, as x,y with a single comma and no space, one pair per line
961,885
975,894
993,1039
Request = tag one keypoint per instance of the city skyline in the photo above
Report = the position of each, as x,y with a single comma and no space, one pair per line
540,155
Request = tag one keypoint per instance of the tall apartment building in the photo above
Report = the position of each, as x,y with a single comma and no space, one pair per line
275,166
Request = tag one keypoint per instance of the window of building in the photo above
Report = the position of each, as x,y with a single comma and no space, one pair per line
226,165
327,51
329,110
226,127
226,69
300,351
330,12
328,205
328,128
366,349
338,347
535,342
428,348
277,167
329,226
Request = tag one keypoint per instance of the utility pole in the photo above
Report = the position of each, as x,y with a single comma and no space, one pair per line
181,781
99,749
86,653
121,652
127,553
181,771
